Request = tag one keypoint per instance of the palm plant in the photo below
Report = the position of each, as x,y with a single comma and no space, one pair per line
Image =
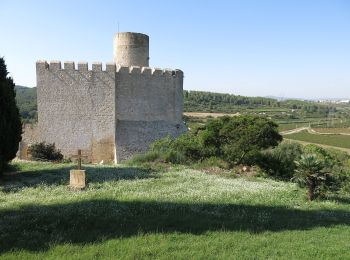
309,171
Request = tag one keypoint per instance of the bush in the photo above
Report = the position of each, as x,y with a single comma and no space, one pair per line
334,177
234,140
45,152
280,161
338,182
310,172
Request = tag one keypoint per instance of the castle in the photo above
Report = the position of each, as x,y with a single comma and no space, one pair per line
111,112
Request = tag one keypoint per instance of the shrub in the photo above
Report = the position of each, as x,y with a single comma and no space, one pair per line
309,172
162,145
339,181
234,140
175,157
280,161
329,159
333,178
45,152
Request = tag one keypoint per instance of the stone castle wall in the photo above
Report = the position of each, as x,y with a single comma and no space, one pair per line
76,108
110,114
148,107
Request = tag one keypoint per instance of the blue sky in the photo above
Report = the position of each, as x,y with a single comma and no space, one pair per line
256,48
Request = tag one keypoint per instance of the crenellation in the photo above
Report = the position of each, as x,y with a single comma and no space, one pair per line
157,72
55,65
168,72
96,66
69,65
109,111
42,64
123,69
179,73
110,67
83,66
135,70
146,71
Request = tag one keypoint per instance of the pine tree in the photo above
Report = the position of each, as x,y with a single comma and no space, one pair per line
10,122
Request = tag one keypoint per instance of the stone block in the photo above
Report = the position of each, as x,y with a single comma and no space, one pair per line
77,179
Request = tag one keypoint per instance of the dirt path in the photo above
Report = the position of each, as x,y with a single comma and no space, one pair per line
320,145
294,131
309,130
313,131
203,115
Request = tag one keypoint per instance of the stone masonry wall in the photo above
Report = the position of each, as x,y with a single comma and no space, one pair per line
76,108
149,106
109,114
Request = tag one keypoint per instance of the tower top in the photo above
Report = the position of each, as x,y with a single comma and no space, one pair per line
131,49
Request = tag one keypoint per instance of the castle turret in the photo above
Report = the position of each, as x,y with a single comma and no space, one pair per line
131,49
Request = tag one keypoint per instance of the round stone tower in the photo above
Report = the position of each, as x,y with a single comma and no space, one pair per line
131,49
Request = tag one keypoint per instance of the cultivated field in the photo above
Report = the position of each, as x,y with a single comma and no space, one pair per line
333,130
134,213
336,140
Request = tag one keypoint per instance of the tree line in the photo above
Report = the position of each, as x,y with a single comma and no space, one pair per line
199,101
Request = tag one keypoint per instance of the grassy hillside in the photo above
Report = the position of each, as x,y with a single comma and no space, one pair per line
134,213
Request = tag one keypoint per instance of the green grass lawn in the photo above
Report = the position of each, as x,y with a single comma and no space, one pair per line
134,213
342,141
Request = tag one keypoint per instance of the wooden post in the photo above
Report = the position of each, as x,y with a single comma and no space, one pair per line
79,159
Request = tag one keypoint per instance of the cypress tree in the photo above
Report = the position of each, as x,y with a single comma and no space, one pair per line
10,122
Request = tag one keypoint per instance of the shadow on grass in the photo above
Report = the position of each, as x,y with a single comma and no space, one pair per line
60,176
35,228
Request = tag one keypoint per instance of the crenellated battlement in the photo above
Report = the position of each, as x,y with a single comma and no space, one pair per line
110,110
109,67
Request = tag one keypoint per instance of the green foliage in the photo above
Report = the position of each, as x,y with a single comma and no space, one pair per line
10,124
280,161
235,139
45,152
26,99
201,101
336,164
231,139
309,172
217,102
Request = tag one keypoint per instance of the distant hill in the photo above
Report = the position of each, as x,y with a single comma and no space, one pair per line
27,103
199,101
